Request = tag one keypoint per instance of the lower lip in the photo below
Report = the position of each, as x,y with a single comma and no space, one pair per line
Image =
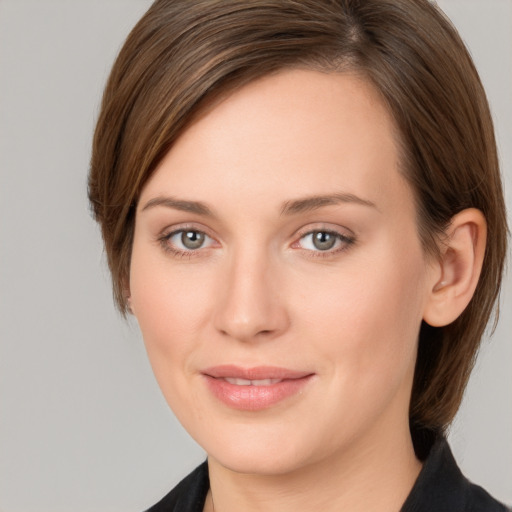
255,398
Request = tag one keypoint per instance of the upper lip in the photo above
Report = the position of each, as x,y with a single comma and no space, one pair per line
254,373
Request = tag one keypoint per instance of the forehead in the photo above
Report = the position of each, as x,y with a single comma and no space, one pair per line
297,132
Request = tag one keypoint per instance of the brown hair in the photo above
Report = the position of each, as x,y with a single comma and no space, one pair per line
183,54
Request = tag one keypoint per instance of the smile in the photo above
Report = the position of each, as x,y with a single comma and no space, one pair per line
254,389
246,382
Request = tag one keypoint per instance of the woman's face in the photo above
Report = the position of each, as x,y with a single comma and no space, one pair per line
277,275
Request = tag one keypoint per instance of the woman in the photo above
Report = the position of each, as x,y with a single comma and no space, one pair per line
301,205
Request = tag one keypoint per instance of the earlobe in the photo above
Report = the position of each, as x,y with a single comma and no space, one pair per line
129,305
459,268
127,295
128,299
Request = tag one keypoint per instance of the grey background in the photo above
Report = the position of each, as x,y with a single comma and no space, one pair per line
83,426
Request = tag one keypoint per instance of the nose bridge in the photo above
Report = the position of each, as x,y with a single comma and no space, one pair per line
249,306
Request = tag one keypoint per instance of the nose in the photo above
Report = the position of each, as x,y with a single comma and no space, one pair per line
250,305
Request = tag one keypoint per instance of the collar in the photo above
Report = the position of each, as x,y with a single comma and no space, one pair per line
440,487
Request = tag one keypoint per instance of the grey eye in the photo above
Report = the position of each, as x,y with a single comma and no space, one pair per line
323,240
192,239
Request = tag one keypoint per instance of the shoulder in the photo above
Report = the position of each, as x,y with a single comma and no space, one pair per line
481,501
441,487
189,495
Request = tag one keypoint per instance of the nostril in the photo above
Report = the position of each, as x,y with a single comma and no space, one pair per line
249,309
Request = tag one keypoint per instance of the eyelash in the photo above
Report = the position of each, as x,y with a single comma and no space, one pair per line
345,241
180,253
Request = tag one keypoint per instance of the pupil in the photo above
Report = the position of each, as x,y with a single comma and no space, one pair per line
323,240
192,239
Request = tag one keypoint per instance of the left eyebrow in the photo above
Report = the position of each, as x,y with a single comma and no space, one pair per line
179,204
307,204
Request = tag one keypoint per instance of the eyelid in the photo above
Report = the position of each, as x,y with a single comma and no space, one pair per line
345,235
185,226
166,234
327,227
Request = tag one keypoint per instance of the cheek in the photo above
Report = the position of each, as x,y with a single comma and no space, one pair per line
170,306
169,311
367,318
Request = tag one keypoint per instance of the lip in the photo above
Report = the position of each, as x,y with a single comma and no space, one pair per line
280,384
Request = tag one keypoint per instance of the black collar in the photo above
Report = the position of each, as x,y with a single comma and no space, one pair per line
440,487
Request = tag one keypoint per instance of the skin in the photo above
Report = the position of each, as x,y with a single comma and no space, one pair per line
259,292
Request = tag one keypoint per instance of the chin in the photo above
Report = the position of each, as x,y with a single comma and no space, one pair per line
261,450
261,462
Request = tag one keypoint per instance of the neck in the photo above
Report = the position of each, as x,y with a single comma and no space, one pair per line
370,475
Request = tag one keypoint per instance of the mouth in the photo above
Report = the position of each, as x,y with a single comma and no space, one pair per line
254,389
256,382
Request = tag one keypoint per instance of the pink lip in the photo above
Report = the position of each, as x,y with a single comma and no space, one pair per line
254,397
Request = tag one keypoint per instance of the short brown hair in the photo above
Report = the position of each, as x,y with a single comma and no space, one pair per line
185,53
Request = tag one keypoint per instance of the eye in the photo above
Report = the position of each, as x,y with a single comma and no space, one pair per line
324,241
186,240
191,239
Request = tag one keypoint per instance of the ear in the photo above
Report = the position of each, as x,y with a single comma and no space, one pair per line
129,305
127,297
458,269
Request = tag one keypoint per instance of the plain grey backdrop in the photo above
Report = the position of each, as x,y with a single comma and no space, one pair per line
83,426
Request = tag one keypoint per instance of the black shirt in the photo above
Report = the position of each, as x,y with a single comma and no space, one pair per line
440,487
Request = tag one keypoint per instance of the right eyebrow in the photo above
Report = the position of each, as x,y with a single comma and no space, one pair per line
315,202
179,204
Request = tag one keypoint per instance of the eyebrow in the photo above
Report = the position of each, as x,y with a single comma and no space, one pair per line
179,204
289,207
314,202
